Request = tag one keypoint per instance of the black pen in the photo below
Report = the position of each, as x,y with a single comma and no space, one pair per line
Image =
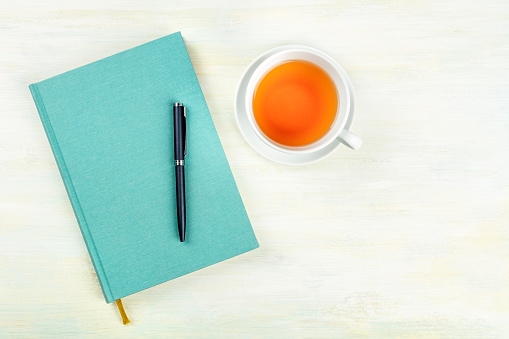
180,146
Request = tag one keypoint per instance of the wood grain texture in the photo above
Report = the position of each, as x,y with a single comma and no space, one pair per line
406,238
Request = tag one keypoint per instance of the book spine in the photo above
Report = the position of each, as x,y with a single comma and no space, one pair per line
80,216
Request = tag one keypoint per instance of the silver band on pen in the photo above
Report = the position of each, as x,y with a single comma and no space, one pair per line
179,162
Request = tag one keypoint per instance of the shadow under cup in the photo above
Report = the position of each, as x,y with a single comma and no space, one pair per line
298,91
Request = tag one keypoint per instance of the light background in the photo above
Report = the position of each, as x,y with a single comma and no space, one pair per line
406,238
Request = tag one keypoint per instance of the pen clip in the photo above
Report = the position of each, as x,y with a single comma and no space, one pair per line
185,132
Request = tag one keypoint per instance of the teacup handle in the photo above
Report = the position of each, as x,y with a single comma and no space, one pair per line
349,139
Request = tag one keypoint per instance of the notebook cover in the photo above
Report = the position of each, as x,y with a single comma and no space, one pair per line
110,127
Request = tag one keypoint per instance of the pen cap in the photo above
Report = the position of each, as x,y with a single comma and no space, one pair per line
179,129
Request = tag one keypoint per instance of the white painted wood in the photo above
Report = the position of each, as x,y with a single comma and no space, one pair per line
407,237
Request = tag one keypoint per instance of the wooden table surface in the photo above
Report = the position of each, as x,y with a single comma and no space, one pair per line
407,237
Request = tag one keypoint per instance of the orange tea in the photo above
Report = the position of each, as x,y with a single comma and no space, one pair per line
295,103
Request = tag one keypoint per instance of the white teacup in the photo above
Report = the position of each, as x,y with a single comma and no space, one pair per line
337,74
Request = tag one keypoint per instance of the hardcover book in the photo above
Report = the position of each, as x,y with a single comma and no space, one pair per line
109,124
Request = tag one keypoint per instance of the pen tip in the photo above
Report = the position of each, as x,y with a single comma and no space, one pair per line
182,237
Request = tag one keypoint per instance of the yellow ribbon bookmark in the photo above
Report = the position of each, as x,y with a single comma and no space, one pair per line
125,319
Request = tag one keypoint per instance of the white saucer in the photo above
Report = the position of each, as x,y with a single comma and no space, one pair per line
261,147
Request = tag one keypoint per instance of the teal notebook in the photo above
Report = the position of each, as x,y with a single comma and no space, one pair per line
110,126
